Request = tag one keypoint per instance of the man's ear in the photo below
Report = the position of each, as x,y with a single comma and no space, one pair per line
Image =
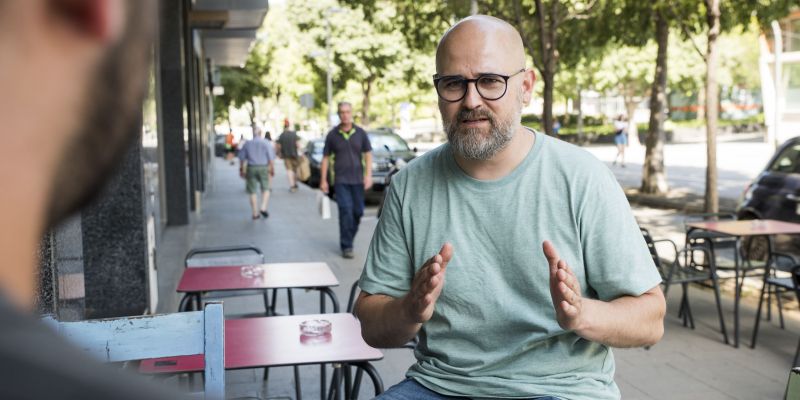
100,20
527,86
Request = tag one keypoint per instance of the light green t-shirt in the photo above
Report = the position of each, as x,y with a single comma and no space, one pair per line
494,332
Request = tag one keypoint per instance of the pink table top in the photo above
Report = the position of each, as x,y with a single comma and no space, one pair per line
274,276
753,227
277,341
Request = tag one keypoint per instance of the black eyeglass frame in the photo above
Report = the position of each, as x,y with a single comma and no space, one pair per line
437,78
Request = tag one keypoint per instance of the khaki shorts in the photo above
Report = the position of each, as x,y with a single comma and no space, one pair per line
255,176
292,163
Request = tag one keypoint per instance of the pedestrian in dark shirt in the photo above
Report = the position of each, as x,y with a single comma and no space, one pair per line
347,147
74,75
286,147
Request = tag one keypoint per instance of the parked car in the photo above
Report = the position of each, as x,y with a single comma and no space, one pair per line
219,145
388,151
313,151
775,193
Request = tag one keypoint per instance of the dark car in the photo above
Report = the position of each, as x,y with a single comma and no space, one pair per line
388,150
775,193
314,153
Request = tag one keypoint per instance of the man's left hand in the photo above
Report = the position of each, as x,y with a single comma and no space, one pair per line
367,182
565,290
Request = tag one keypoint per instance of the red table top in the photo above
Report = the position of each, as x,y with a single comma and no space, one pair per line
275,276
753,227
277,341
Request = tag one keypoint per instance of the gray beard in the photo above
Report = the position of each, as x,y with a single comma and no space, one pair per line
471,144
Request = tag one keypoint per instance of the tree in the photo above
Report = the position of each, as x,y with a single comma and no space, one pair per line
557,33
737,13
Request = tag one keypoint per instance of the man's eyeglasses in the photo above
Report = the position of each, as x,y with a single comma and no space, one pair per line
453,88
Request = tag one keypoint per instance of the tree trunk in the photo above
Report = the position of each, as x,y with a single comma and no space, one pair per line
712,107
654,178
579,108
701,103
252,113
366,88
547,43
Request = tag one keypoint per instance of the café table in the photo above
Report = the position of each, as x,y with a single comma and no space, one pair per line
305,275
277,341
740,229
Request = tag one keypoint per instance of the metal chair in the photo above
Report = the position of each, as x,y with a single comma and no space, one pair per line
684,270
775,283
166,335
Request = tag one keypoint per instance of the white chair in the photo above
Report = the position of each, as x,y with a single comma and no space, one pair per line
166,335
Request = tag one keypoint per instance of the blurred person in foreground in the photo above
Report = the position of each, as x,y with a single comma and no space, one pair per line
512,255
73,73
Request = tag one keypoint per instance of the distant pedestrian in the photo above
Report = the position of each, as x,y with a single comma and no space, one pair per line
230,147
556,126
257,166
286,147
620,139
347,147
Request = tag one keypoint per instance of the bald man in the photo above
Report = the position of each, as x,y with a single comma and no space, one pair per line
513,256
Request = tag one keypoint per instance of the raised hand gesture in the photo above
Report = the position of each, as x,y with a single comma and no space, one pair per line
565,290
427,286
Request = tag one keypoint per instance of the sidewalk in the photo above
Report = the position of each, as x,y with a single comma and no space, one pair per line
686,364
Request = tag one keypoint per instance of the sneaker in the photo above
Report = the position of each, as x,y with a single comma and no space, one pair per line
256,217
292,189
348,253
264,214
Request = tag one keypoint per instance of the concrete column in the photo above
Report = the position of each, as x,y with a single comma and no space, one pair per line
172,106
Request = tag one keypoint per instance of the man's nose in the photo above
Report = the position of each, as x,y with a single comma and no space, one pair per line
472,99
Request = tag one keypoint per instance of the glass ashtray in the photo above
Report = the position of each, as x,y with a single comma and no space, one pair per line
252,271
315,327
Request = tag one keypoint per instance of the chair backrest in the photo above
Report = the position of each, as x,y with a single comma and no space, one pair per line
155,336
223,256
648,239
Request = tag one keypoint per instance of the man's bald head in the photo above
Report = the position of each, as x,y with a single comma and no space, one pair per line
480,31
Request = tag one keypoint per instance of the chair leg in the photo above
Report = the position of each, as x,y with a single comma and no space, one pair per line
291,301
715,282
764,289
274,301
769,303
297,392
780,307
796,355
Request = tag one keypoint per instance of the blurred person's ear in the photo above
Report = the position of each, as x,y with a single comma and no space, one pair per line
100,20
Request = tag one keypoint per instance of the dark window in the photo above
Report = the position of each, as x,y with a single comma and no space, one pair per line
787,161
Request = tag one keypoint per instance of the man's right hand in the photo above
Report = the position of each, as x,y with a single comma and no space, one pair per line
323,185
427,286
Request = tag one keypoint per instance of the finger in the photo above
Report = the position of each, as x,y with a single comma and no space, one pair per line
569,310
551,253
567,293
568,276
446,253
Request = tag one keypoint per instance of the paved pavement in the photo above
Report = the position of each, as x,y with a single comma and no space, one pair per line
686,364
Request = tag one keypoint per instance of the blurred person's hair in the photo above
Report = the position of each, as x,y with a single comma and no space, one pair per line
342,104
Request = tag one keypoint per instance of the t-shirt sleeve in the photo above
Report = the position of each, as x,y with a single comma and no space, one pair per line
616,258
270,152
388,269
326,151
366,145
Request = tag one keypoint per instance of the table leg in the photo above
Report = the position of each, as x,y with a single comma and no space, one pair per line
322,380
291,301
737,291
297,392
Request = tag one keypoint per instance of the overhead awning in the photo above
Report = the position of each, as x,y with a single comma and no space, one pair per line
228,28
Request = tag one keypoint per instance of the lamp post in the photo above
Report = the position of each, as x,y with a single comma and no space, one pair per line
329,79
